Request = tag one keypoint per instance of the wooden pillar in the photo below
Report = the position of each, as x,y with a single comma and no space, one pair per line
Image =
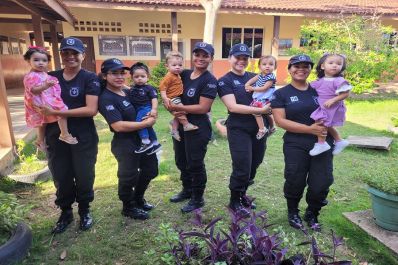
174,32
6,133
38,30
54,46
275,38
211,8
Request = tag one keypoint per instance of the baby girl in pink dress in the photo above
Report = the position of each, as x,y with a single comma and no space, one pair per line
43,89
332,89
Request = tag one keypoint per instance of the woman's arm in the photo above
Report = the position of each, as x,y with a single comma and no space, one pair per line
202,108
340,97
263,88
131,126
89,110
291,126
229,101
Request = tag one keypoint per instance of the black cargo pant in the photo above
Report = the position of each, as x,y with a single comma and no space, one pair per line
73,166
135,171
301,170
247,153
190,154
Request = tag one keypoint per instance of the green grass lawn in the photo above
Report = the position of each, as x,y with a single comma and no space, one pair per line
117,240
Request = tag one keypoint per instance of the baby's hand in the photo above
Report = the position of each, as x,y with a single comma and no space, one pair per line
153,113
249,88
166,102
329,103
51,83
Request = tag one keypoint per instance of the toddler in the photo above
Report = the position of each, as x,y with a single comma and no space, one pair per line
145,100
43,89
171,89
263,89
332,89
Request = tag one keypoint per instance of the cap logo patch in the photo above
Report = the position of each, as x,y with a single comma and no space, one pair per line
242,48
202,44
117,61
302,57
70,41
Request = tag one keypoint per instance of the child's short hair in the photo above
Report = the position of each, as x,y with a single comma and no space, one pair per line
138,66
267,57
32,49
173,54
321,73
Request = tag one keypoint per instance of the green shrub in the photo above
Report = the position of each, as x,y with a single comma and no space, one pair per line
11,212
157,74
369,55
394,120
28,159
385,181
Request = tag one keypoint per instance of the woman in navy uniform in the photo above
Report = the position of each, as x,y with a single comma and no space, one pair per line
292,106
200,89
73,166
135,171
247,152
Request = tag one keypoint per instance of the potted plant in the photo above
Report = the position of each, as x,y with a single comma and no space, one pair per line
383,189
30,164
15,236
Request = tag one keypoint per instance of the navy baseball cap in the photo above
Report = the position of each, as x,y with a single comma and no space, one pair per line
206,47
72,44
240,49
302,58
112,64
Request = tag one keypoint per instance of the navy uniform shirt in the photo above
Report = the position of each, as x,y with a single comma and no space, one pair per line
203,86
116,108
74,91
235,84
142,95
298,106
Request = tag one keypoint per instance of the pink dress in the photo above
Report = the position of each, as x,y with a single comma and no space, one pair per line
49,97
327,88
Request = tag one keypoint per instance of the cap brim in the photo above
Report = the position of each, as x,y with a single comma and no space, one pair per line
200,49
241,53
71,48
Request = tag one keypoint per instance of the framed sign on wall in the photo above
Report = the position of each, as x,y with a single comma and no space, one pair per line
112,45
142,46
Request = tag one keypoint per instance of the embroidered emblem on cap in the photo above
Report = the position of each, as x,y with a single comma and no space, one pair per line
302,57
70,41
117,61
202,44
242,48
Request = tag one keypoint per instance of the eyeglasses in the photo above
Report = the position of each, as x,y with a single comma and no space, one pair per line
69,52
116,74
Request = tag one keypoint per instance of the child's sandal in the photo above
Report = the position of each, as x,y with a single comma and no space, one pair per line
261,133
271,131
68,139
176,135
41,146
190,127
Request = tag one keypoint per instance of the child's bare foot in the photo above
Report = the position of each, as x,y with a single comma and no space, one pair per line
271,131
68,138
261,133
176,135
190,127
40,145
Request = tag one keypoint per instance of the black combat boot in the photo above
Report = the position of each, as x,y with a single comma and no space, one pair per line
295,219
247,202
235,203
132,211
311,217
183,195
63,222
195,202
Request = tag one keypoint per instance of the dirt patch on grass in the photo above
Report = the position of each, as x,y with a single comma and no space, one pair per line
383,91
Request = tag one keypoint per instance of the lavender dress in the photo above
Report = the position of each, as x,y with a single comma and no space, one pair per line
327,88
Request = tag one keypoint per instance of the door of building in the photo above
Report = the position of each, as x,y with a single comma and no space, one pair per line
193,42
89,60
166,46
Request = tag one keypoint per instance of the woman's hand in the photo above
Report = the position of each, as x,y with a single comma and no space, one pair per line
44,110
153,113
329,103
149,121
179,113
173,107
318,129
267,109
